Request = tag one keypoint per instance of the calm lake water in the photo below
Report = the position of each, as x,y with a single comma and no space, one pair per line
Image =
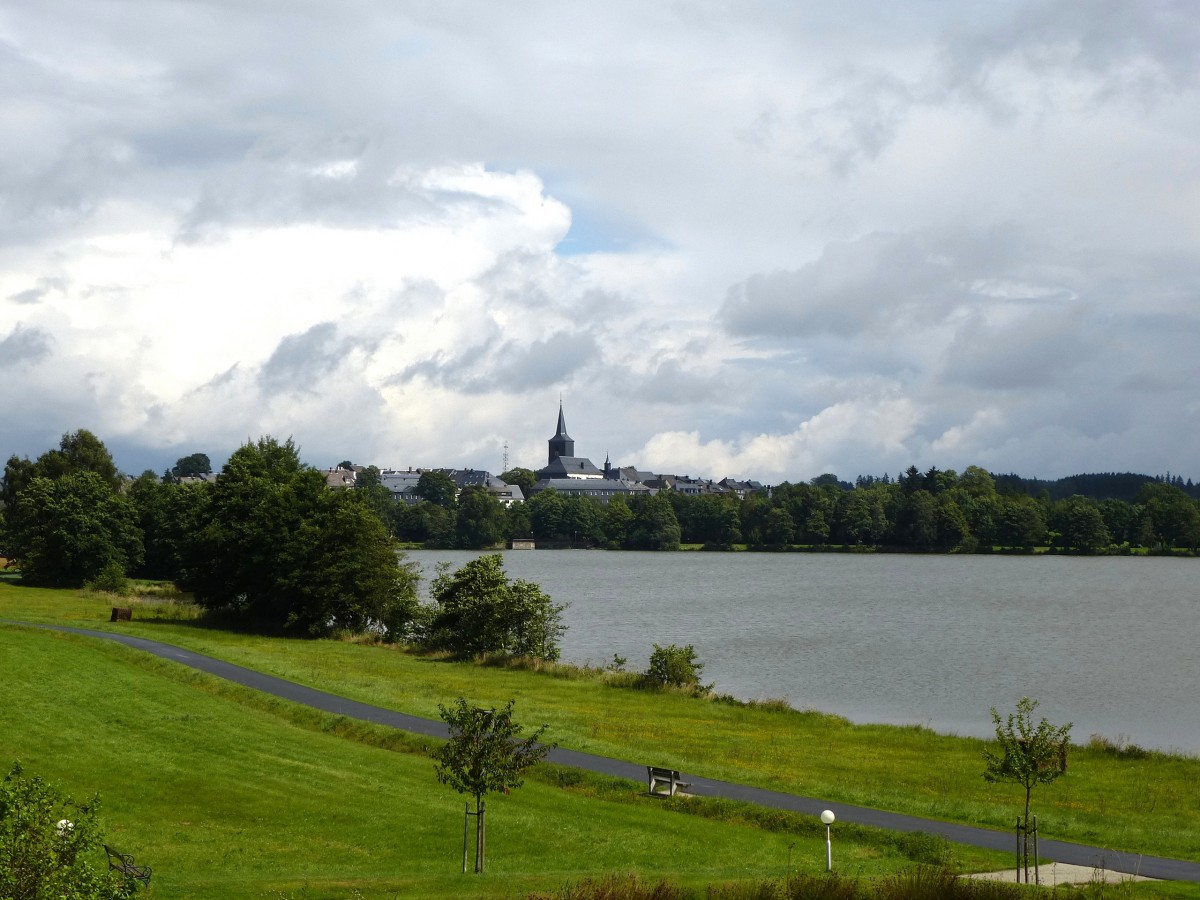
1111,644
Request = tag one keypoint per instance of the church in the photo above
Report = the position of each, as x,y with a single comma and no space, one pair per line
577,476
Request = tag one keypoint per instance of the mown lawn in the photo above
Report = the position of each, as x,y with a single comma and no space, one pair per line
1147,805
226,800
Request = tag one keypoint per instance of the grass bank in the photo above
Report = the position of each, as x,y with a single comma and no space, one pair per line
1108,798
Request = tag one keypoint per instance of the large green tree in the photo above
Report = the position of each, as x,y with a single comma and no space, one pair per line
167,514
67,530
278,547
479,519
479,610
78,451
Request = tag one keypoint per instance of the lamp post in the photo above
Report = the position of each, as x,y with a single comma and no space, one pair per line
827,817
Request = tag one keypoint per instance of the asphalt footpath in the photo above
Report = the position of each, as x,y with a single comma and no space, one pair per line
1096,858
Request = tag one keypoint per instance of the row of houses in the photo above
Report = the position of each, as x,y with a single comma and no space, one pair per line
566,473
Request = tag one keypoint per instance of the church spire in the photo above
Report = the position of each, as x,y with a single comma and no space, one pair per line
561,444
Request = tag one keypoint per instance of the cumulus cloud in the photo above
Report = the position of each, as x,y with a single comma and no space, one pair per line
767,242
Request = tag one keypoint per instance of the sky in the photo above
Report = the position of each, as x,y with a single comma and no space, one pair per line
753,239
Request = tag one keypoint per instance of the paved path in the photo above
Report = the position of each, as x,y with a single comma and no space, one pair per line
1061,851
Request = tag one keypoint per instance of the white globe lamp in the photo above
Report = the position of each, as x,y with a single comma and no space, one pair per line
828,817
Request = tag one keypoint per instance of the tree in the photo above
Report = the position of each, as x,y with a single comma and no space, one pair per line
674,666
276,546
582,520
1173,516
1028,755
192,466
484,754
617,519
167,515
78,451
479,521
45,844
525,479
370,477
654,525
342,572
1079,525
480,611
438,488
778,529
546,515
67,530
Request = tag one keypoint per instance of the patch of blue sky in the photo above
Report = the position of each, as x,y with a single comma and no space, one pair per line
595,230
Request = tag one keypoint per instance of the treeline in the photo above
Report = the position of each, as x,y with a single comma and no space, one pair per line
932,511
266,545
270,522
1125,486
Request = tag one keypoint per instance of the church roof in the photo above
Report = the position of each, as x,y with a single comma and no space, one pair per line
570,467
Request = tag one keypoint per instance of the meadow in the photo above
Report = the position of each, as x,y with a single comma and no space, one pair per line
230,794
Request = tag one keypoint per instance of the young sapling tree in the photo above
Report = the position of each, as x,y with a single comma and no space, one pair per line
484,754
1029,755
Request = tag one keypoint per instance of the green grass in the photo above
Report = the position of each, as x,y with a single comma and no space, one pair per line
241,796
226,799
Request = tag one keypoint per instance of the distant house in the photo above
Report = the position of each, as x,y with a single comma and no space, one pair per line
743,489
507,494
403,485
339,478
197,479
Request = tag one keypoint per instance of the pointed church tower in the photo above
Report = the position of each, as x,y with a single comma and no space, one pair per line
561,444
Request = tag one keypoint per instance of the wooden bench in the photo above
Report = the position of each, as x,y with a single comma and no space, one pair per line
124,864
664,782
121,614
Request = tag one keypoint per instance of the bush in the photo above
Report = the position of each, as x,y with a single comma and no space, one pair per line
45,844
675,666
111,580
480,611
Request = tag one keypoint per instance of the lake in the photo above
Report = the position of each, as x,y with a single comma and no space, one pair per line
1111,644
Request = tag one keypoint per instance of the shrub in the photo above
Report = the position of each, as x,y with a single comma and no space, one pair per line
111,579
45,844
675,666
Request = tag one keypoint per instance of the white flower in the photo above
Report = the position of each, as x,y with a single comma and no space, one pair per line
65,827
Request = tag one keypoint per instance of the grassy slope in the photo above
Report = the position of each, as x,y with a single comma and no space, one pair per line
1140,805
226,800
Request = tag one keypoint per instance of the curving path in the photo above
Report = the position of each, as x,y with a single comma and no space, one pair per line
1060,851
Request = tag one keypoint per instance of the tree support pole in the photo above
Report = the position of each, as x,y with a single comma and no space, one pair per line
480,837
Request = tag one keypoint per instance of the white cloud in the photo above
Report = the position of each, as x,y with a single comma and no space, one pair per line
766,241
